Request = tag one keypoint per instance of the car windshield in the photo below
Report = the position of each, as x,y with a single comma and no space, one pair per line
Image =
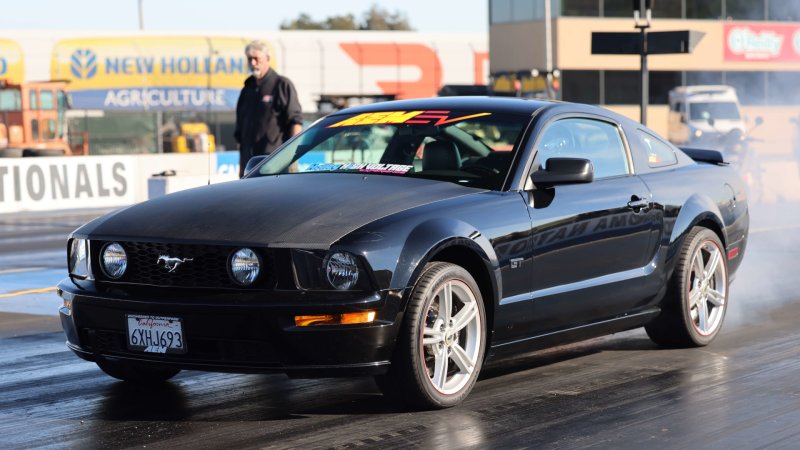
472,148
714,110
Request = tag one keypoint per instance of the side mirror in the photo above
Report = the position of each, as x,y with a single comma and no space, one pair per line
710,121
253,162
564,171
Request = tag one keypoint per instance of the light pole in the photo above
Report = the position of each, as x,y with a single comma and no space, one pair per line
141,15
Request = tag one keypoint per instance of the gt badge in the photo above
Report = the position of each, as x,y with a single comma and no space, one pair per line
171,263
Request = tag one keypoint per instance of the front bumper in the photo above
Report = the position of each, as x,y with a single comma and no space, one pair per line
237,332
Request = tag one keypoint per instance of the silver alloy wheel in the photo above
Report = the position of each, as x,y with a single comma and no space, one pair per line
708,288
451,337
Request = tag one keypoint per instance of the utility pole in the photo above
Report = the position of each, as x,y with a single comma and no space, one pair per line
643,43
141,15
642,16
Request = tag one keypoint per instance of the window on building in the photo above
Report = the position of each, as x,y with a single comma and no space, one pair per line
617,8
703,77
660,84
624,8
782,88
587,8
703,9
34,105
745,9
622,87
500,11
750,86
527,10
659,153
783,10
581,86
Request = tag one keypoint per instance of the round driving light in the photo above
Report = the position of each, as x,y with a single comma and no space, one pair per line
342,270
114,260
245,266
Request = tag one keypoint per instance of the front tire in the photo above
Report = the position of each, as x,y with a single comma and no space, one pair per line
442,341
697,296
136,373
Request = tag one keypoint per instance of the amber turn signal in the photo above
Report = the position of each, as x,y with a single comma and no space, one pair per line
335,319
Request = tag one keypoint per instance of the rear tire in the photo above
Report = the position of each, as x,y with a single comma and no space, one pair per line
697,295
137,373
442,340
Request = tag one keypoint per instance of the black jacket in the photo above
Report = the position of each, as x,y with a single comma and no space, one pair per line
265,113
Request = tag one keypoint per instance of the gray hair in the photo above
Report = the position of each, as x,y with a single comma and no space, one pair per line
257,45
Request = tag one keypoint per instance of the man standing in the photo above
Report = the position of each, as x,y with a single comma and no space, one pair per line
268,112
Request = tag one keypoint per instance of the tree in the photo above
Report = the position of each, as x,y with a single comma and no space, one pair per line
376,18
346,22
303,22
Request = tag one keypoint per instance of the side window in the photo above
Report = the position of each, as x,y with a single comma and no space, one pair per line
659,153
600,142
46,101
35,129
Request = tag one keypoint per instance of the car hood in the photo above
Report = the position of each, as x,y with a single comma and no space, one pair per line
300,211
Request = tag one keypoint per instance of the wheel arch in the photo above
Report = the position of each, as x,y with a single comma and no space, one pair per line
462,255
456,242
699,210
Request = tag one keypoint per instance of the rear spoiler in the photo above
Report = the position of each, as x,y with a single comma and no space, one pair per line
704,155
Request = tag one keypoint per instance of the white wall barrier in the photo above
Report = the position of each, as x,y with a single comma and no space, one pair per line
44,184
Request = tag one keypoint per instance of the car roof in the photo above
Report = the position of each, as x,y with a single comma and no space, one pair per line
493,104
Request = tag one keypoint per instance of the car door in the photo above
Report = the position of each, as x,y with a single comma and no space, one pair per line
591,241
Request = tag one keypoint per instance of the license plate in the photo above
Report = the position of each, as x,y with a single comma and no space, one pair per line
155,334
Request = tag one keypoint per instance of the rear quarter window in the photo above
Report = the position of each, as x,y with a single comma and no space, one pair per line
659,153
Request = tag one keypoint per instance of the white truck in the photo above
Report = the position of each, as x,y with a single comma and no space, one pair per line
705,116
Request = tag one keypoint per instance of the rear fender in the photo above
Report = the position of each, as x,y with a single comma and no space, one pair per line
698,208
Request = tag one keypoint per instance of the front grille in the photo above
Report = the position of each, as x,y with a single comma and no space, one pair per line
206,266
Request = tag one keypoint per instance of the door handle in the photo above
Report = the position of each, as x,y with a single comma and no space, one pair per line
639,204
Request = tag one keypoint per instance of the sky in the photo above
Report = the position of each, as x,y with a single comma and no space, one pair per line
229,15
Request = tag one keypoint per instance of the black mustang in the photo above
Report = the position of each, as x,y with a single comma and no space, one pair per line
412,241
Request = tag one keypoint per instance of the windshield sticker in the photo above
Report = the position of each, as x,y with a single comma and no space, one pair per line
399,169
410,117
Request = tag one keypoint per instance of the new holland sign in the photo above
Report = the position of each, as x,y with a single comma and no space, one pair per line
155,73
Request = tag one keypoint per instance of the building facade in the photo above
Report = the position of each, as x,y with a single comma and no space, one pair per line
752,45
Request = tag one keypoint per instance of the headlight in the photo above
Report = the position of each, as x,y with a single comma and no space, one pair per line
698,133
245,266
341,270
78,258
113,260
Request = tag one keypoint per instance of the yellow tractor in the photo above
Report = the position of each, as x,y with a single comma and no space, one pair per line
193,137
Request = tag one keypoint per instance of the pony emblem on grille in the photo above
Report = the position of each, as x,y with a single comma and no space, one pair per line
168,262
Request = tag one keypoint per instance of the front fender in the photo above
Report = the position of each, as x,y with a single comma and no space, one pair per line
434,235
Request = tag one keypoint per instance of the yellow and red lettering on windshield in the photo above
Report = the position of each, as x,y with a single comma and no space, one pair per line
409,117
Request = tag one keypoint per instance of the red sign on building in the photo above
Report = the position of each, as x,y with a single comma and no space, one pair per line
761,42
